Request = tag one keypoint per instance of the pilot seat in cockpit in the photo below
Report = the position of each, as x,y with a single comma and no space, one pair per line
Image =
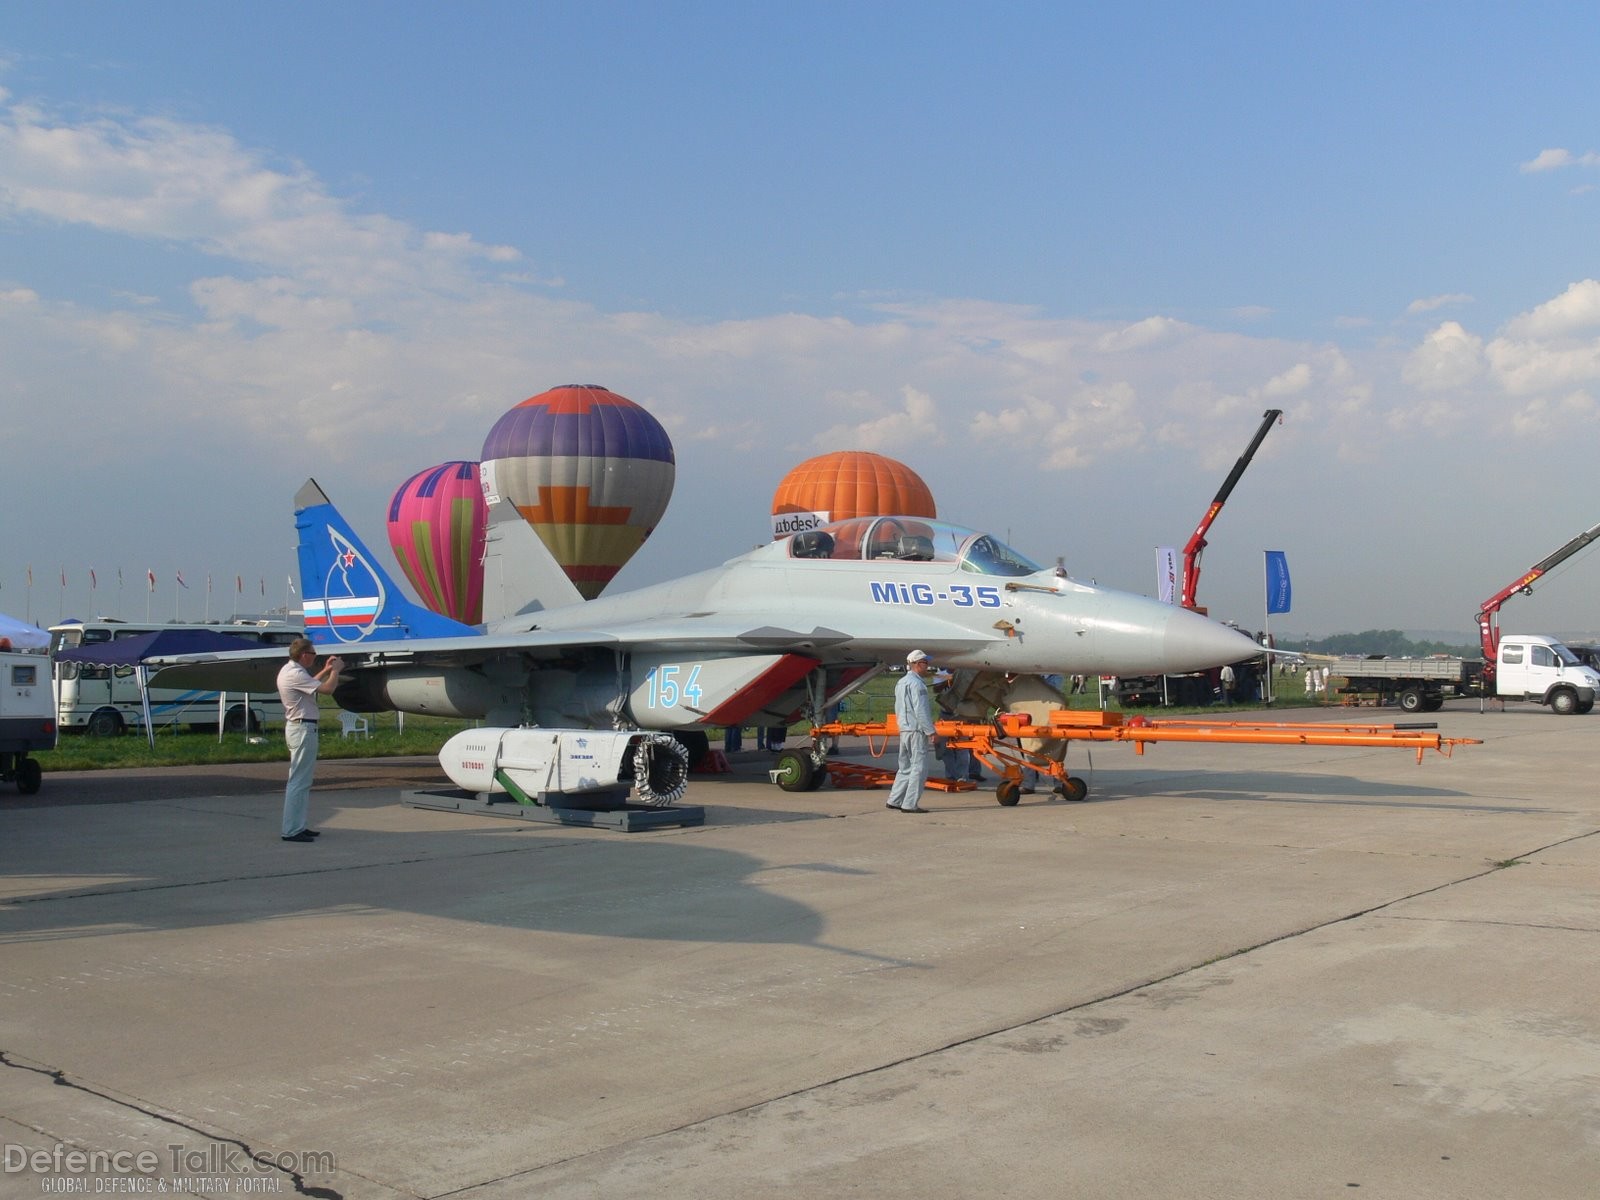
812,543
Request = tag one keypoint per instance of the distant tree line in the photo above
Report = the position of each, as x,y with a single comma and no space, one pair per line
1390,642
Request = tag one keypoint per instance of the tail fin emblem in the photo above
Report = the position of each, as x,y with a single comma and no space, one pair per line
353,594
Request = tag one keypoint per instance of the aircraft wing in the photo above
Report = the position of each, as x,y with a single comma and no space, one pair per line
257,670
254,671
711,633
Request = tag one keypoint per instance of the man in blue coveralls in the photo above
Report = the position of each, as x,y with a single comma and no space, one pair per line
913,712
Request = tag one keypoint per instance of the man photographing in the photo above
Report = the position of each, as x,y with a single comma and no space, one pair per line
298,688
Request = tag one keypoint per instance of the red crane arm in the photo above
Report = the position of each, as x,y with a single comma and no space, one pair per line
1489,610
1197,540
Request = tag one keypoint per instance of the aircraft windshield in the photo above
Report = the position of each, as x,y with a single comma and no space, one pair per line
910,539
989,556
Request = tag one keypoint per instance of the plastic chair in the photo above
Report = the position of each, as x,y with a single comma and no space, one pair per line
350,724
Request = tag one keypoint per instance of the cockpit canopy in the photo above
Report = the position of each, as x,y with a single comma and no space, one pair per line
910,539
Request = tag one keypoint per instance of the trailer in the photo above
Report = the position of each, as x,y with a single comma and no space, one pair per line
1415,684
1001,745
1531,667
27,717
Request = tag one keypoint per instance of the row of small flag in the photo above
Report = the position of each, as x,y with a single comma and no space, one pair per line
150,580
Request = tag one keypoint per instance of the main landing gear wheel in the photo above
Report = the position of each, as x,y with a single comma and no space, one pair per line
796,772
1008,792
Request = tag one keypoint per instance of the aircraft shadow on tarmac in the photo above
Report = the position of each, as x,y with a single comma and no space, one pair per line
1296,787
610,886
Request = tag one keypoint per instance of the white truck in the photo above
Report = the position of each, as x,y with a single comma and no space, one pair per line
27,717
1527,666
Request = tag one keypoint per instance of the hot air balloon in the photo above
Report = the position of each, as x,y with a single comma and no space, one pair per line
844,484
590,470
437,521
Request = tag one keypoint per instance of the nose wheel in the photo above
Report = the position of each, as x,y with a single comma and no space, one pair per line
795,771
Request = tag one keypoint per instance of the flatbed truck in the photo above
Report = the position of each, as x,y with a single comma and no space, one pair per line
1532,667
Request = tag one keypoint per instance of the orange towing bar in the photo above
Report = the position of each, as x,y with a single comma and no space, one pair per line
987,743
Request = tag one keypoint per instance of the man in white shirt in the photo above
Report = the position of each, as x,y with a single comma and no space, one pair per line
298,688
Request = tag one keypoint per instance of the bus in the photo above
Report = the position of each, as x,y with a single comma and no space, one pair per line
104,701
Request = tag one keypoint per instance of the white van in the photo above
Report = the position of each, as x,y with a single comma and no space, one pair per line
1532,666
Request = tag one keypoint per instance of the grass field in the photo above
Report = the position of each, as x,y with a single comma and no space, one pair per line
185,747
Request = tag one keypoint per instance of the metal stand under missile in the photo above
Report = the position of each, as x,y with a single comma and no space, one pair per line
599,810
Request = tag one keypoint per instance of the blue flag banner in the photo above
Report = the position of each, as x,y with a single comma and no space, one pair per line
1279,591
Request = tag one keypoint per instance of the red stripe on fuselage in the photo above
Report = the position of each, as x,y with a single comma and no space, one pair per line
765,688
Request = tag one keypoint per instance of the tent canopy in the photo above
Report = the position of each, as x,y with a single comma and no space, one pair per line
164,643
22,635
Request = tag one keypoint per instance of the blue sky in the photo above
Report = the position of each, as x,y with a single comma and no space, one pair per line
1057,259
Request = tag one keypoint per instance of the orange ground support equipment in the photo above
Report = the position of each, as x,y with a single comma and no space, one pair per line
997,746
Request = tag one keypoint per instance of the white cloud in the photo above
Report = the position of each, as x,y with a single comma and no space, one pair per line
916,422
1541,417
1290,383
1556,158
1448,358
1141,335
1429,303
1576,309
1525,368
160,179
1554,348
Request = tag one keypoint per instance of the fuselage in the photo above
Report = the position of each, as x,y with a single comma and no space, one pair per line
788,627
972,603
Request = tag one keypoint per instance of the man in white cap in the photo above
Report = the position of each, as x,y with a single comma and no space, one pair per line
914,714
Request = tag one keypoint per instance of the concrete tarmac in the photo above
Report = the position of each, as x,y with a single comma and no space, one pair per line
1235,971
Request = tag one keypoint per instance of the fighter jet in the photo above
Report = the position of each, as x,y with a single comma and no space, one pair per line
782,632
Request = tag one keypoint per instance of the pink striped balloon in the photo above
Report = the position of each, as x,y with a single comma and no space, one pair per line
437,522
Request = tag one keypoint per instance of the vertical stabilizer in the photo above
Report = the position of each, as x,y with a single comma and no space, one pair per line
520,575
348,597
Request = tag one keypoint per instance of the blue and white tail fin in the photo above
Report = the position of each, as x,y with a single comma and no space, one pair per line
348,597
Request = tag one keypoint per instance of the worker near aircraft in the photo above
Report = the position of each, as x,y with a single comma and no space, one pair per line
913,713
298,688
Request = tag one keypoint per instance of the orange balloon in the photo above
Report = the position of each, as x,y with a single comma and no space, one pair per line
852,483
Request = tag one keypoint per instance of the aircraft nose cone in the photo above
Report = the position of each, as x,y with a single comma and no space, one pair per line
1196,643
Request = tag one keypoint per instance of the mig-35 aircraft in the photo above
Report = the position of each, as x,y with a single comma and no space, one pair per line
783,631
